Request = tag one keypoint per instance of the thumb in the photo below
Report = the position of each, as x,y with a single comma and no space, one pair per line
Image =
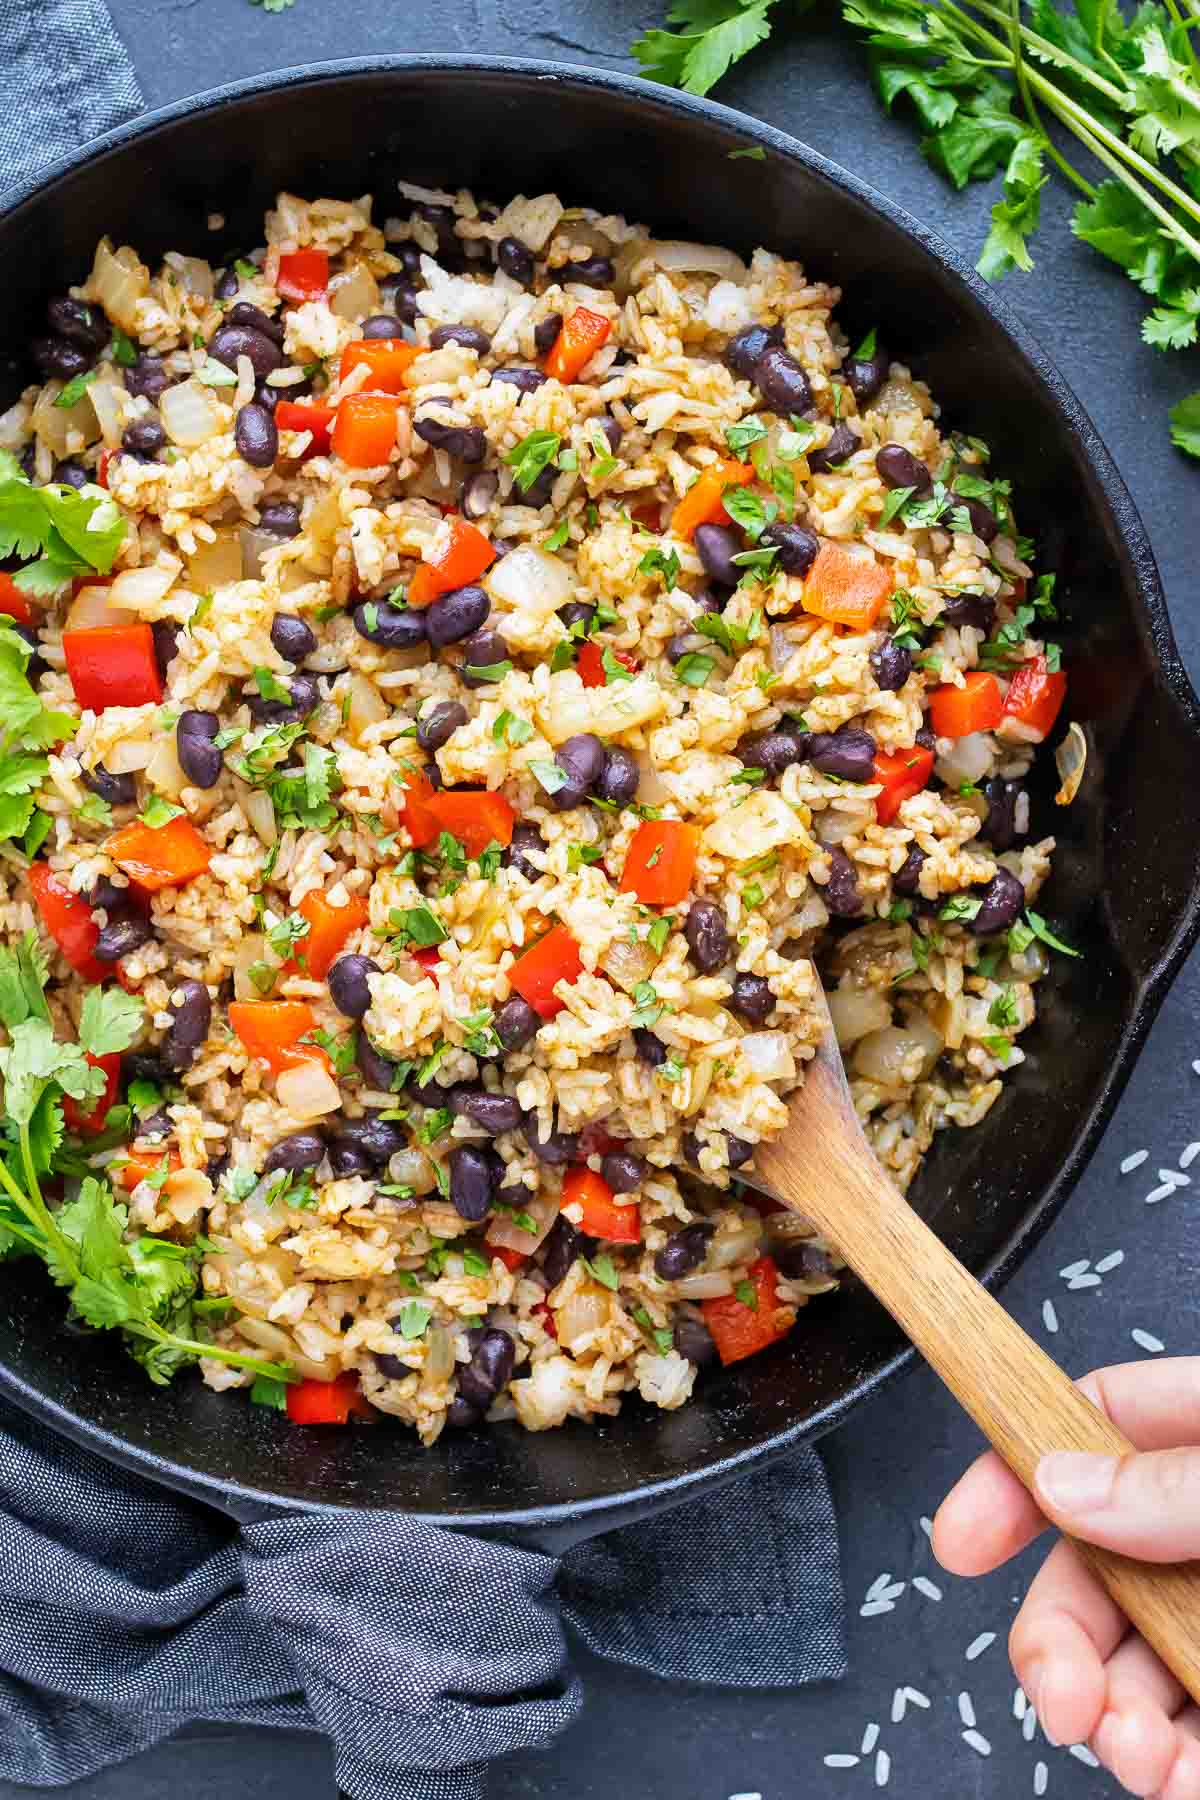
1145,1505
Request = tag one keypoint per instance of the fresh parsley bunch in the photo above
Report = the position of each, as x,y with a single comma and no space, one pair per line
984,77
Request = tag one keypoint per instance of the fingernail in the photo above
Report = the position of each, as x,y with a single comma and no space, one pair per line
1036,1689
1075,1483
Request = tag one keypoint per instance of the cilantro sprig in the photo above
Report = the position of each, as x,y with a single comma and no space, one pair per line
59,532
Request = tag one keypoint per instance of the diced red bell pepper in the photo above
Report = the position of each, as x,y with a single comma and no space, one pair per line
428,957
475,819
102,467
603,1216
138,1165
903,773
310,416
415,815
387,360
458,555
303,275
274,1030
739,1330
648,516
538,970
69,921
327,1402
1035,695
113,665
160,856
661,861
91,1122
846,587
13,601
512,1259
328,929
582,334
590,664
364,432
704,502
542,1311
977,705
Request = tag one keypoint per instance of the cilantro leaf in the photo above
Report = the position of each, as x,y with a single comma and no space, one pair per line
1017,215
1185,424
533,454
109,1020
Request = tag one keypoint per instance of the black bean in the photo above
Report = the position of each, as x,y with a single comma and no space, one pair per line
865,375
480,652
841,890
216,1167
199,757
612,432
377,1070
382,325
516,260
449,244
293,637
526,381
120,936
737,1150
488,1372
984,522
618,779
78,322
144,1065
843,442
433,776
651,1050
166,643
303,696
782,382
752,998
302,1150
581,759
393,1368
244,313
978,610
478,493
891,665
71,474
925,738
563,1243
545,334
899,468
394,627
256,435
467,442
1001,903
622,1170
399,293
524,839
118,790
774,750
493,1113
907,878
349,987
559,1148
231,341
578,612
377,1138
691,1147
540,488
693,1340
1000,826
716,546
592,271
438,725
146,435
456,615
346,1157
117,902
516,1023
191,1015
280,517
469,337
742,353
227,284
796,544
54,357
801,1260
683,1251
154,1129
707,936
475,1174
848,752
147,379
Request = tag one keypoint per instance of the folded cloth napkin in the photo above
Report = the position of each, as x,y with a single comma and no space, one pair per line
126,1610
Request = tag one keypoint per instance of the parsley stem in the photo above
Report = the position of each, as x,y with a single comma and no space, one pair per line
1083,122
1169,223
1030,104
1054,53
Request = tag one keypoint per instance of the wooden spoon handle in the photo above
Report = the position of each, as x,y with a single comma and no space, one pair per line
1022,1401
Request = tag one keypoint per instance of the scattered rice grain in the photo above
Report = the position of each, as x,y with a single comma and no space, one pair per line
1074,1269
1160,1193
978,1645
1083,1281
1020,1703
1049,1315
899,1702
870,1738
840,1760
966,1709
1134,1161
1187,1157
977,1742
930,1589
917,1697
883,1768
1041,1778
1110,1262
1146,1341
1082,1754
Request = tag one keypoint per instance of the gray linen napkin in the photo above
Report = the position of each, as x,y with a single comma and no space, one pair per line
126,1610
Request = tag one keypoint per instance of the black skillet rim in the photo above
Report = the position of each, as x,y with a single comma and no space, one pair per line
1167,664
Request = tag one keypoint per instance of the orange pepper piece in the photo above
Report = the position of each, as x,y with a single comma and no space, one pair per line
581,336
139,1164
273,1030
329,927
846,587
977,705
386,359
704,502
160,856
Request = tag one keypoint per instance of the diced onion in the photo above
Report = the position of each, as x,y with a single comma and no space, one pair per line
542,1208
920,1026
367,705
132,752
704,259
354,294
194,276
857,1011
164,771
138,590
282,1348
704,1287
308,1091
628,964
769,1055
107,398
1029,964
186,1192
118,281
1071,760
92,609
439,1354
54,425
254,545
968,759
190,414
530,580
251,949
412,1168
893,1057
217,564
260,814
782,648
731,1247
579,1318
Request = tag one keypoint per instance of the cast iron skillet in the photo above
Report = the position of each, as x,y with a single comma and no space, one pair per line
1126,887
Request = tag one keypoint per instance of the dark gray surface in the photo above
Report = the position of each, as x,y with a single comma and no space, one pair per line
895,1459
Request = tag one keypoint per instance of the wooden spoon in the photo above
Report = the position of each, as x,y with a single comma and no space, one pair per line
822,1167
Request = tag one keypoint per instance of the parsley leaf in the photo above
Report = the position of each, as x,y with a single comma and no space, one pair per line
109,1020
656,562
717,33
533,454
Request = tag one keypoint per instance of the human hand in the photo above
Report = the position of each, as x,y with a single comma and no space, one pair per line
1090,1677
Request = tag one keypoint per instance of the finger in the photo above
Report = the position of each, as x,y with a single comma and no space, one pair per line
1136,1677
1183,1783
1061,1639
1143,1505
1145,1751
985,1519
1156,1404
